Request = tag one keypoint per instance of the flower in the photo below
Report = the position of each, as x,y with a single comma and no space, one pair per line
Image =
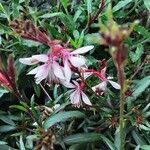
77,93
102,87
50,70
70,59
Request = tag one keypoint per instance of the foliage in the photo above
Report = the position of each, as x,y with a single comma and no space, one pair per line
41,116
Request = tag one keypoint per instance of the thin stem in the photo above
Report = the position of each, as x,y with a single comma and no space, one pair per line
121,79
45,91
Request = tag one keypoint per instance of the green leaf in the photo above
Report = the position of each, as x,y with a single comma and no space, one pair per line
6,128
7,120
65,3
138,138
19,107
145,147
66,20
141,30
82,138
147,4
89,6
22,147
2,92
3,143
141,86
109,143
135,56
121,4
51,15
61,117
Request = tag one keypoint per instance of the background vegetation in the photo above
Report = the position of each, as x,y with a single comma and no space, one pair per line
40,123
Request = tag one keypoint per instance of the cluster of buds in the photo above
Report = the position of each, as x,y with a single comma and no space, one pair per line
60,63
113,35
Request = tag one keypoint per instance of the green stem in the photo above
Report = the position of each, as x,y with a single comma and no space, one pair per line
121,79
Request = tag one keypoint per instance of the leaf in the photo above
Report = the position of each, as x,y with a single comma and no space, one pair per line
11,69
89,6
50,15
138,138
2,92
3,143
147,4
141,30
141,86
66,20
6,128
109,143
19,107
7,120
145,147
121,4
61,117
65,3
82,138
135,56
22,147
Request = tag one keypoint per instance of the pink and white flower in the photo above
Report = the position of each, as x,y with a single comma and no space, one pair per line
77,93
50,70
102,87
70,59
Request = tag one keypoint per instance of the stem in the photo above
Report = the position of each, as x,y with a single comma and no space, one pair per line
121,79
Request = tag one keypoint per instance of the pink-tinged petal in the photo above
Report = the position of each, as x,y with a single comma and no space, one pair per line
66,84
102,86
41,58
114,84
77,61
67,71
28,61
85,99
75,97
42,73
103,72
33,71
58,70
82,50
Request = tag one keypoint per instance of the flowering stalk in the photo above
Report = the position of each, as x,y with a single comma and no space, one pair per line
113,36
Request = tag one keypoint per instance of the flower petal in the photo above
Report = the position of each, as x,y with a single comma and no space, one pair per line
75,97
42,73
82,50
58,70
41,58
114,84
33,71
66,84
85,99
67,71
77,61
28,61
102,86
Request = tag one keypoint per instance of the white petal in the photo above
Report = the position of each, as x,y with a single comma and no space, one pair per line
58,70
86,99
67,71
82,50
66,84
102,86
28,61
77,61
33,71
75,97
42,73
114,84
41,58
